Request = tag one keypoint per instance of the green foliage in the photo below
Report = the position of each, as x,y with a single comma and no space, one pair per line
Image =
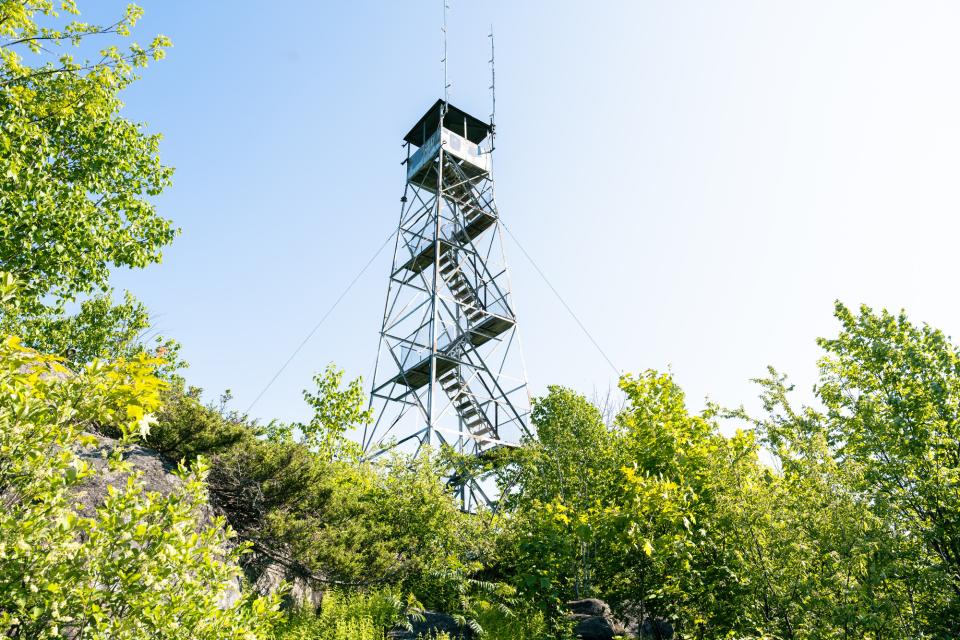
626,511
328,517
523,622
100,329
140,564
75,176
849,534
187,429
874,472
556,486
76,182
892,397
350,616
358,615
335,411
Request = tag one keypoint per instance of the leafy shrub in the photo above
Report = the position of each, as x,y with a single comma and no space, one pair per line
141,565
301,496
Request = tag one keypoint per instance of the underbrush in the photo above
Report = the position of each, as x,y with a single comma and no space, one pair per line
367,616
349,616
519,625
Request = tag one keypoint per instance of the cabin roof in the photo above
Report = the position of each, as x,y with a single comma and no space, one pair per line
456,120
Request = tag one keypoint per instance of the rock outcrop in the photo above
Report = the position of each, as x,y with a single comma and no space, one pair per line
266,575
593,620
156,474
656,629
432,624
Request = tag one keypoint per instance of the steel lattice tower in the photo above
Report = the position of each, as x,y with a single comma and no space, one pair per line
449,369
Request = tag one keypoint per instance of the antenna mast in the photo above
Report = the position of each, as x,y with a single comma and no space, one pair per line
493,83
443,33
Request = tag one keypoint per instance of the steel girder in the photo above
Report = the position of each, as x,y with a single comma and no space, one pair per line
449,369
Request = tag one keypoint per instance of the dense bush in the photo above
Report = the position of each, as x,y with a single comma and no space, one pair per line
656,511
141,564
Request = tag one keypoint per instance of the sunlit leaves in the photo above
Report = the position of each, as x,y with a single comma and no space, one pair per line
139,564
76,178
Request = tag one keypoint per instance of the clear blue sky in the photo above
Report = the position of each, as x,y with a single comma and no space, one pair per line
700,180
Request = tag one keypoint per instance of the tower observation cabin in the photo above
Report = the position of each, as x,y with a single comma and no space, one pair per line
461,135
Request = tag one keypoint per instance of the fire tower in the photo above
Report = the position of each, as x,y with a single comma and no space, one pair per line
449,369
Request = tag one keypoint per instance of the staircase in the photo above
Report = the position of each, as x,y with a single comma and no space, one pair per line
460,287
477,216
465,404
453,384
463,196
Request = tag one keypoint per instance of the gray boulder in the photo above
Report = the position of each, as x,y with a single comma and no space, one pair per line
432,624
266,575
593,620
156,475
589,607
656,629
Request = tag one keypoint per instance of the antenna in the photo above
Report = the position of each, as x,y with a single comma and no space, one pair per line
443,32
493,83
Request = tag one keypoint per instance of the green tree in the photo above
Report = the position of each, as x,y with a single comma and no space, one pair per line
76,181
99,329
554,491
682,515
872,479
649,513
892,397
76,178
335,412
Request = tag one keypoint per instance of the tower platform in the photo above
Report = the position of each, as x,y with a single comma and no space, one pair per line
419,374
474,225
